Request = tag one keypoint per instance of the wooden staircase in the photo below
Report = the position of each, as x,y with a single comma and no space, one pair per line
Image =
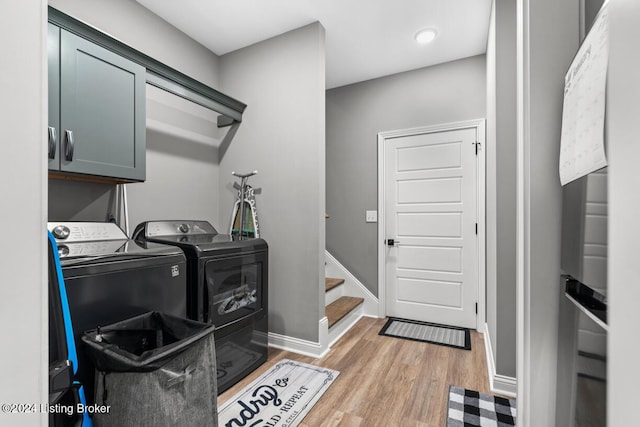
338,306
330,283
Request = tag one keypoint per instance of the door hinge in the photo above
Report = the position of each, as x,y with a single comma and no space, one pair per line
476,144
476,228
476,308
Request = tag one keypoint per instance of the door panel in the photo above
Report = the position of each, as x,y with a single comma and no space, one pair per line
434,259
103,105
431,190
436,156
435,224
431,213
448,294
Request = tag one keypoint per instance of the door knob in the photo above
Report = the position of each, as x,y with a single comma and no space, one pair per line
391,242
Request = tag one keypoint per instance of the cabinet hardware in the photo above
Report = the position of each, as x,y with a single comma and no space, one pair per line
69,145
52,142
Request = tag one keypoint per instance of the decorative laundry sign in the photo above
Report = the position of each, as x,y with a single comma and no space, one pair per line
281,397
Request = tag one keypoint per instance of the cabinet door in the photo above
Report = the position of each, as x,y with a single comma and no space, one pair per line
102,111
53,51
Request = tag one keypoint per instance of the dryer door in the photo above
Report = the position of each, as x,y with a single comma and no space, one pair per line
234,287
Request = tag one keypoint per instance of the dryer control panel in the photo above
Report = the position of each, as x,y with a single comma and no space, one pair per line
178,228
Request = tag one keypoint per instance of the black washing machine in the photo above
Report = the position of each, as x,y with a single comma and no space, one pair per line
110,278
227,282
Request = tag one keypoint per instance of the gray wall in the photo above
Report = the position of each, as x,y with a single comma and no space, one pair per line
189,161
501,188
23,294
506,187
182,139
282,80
590,9
551,31
136,26
182,163
80,201
355,114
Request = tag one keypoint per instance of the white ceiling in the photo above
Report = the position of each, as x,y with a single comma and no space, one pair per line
365,39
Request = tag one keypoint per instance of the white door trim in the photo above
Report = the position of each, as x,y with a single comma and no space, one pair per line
479,125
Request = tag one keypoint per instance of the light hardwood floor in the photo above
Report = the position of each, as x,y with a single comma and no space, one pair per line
386,381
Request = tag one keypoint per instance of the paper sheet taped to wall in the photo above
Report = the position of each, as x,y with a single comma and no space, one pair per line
582,142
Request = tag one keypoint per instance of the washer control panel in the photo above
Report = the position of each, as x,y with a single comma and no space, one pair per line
76,239
85,231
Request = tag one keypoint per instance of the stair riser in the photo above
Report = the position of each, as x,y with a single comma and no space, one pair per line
344,324
341,308
333,294
352,286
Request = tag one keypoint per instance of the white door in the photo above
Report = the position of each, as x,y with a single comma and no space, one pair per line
430,204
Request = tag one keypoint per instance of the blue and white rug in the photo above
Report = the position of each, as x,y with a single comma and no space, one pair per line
281,397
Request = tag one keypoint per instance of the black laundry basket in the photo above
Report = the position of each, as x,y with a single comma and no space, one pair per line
154,370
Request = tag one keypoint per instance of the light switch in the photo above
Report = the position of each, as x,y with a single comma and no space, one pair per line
371,216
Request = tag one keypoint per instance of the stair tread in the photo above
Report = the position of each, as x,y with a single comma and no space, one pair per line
330,283
340,308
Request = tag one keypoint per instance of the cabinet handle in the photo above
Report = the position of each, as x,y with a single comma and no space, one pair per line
68,154
52,142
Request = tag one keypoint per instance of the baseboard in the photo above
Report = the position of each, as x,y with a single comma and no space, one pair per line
352,286
500,384
505,385
306,348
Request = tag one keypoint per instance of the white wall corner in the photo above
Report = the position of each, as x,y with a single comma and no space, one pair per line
323,335
500,384
352,286
306,348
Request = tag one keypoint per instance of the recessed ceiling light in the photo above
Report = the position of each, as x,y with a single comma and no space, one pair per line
426,35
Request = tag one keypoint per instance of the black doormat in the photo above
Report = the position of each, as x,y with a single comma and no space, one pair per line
471,408
449,336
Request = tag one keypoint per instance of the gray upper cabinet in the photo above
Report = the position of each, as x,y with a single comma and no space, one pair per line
53,45
100,108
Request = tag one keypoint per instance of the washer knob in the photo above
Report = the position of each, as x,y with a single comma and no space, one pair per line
184,228
63,250
61,232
